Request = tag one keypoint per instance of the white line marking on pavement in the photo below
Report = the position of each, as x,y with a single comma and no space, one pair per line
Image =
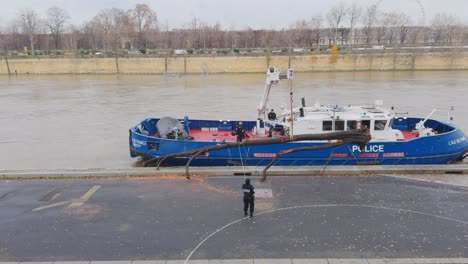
85,196
50,206
55,196
318,206
72,203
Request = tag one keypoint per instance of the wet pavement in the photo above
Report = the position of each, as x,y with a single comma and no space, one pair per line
172,218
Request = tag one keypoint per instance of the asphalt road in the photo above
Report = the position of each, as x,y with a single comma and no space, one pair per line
172,218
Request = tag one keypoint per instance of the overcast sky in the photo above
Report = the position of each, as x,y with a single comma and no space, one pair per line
233,13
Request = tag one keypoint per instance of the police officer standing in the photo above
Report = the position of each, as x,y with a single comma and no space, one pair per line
240,132
272,115
249,197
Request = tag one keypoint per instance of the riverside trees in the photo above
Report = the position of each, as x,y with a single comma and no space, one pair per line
113,29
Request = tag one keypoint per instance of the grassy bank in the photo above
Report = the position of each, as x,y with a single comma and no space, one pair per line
387,61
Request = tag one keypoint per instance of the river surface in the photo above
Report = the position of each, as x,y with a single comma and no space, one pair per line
66,121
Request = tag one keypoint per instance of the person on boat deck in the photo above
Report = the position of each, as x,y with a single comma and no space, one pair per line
249,197
240,132
272,115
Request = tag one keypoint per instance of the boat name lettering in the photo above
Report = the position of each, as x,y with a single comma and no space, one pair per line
456,141
369,148
138,143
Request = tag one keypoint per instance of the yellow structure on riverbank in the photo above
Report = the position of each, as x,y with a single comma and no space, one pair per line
239,64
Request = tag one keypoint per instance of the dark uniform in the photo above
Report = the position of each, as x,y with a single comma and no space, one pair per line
272,115
249,197
240,132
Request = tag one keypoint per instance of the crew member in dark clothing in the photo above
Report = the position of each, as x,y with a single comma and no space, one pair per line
272,115
249,197
240,132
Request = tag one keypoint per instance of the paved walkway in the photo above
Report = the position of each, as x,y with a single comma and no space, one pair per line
334,218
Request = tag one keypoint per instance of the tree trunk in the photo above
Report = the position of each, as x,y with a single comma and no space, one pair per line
31,39
116,62
57,41
7,64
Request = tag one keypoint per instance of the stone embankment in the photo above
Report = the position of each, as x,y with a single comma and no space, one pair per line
385,61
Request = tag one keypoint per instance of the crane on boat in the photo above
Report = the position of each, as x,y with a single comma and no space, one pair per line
274,75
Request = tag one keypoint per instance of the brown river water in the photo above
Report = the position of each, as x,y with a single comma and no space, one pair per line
66,121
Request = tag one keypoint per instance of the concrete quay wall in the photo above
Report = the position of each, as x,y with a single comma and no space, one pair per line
387,61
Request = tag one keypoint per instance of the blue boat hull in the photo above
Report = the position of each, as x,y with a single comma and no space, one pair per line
449,146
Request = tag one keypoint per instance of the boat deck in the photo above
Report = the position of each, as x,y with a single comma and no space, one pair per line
225,135
221,135
409,135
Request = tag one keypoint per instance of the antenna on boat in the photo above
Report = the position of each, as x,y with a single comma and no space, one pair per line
449,114
290,77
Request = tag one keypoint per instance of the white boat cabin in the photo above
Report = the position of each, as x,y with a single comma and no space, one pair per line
334,118
329,118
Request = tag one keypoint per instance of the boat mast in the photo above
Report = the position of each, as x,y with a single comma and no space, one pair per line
291,132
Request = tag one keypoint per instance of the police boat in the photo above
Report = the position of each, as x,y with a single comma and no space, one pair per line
395,140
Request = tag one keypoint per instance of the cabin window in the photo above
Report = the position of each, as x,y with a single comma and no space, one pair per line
380,124
351,125
365,124
327,125
339,125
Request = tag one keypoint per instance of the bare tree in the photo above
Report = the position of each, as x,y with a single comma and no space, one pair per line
120,26
415,33
166,41
335,17
72,38
445,28
203,30
93,37
249,37
354,13
425,33
403,23
56,19
114,25
389,23
12,32
145,20
216,33
396,27
316,26
4,45
369,20
300,34
265,38
380,30
30,25
103,22
196,31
